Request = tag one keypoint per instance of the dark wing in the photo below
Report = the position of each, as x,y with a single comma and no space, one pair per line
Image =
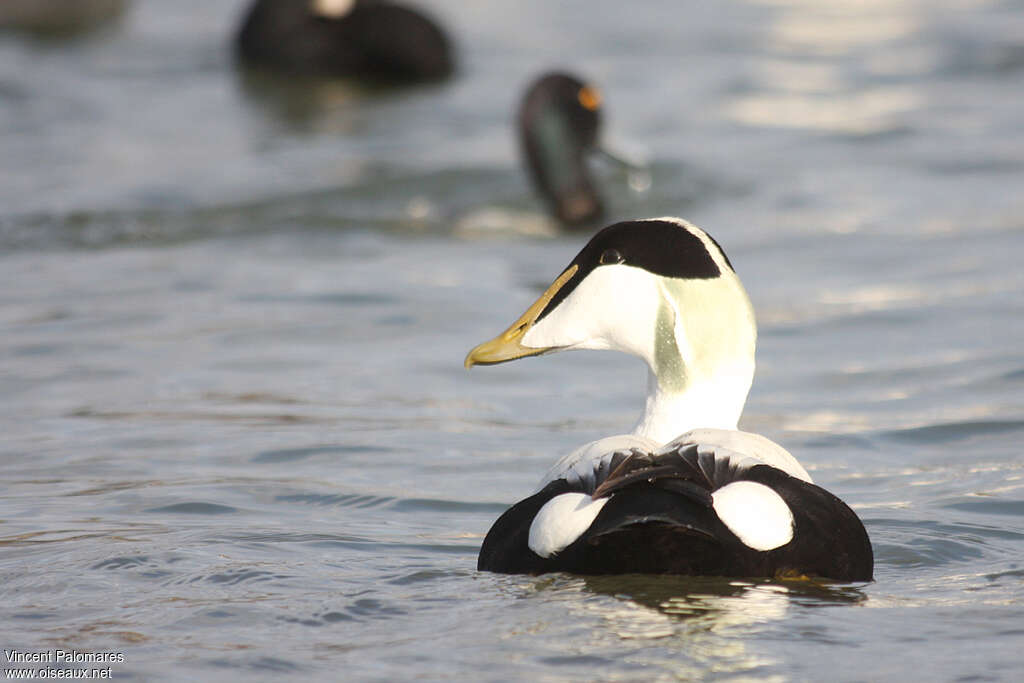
660,509
829,539
660,518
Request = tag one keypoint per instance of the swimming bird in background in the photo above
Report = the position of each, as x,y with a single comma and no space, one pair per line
55,18
372,40
686,492
559,123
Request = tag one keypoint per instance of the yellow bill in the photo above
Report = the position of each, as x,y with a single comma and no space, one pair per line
508,345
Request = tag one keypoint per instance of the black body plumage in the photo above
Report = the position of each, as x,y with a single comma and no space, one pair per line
661,520
375,40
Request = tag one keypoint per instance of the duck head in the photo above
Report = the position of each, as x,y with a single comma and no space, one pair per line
559,122
661,289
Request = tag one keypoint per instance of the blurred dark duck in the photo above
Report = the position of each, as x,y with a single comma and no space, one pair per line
58,17
559,126
367,39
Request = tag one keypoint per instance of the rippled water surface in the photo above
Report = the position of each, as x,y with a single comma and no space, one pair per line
236,437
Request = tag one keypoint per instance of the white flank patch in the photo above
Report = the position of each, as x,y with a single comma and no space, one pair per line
755,513
561,521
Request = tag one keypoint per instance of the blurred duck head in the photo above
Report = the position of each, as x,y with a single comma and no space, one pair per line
559,128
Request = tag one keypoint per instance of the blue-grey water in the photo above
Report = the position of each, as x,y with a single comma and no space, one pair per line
236,437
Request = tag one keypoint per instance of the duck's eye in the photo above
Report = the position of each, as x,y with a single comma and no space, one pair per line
611,256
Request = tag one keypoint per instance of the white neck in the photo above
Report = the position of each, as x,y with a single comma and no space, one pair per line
703,404
702,362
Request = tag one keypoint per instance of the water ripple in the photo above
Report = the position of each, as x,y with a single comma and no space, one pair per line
992,506
934,544
237,576
953,431
355,500
123,562
294,454
366,609
195,508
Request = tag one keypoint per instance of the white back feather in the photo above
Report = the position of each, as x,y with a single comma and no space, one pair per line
580,467
754,448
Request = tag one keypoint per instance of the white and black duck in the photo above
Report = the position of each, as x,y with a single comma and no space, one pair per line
685,493
370,40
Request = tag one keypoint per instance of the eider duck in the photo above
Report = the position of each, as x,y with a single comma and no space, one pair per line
685,493
55,18
372,40
559,122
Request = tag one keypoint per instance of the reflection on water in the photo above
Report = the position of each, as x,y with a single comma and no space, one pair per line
834,28
861,112
816,81
708,623
734,601
322,105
